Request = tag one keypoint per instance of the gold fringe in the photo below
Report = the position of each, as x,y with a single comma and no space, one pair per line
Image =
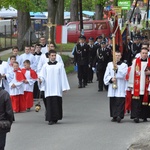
135,97
144,103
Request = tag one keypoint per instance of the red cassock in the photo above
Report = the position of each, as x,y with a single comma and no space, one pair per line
18,101
29,94
128,94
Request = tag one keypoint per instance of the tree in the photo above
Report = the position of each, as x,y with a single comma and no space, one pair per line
23,20
52,9
60,13
99,8
74,10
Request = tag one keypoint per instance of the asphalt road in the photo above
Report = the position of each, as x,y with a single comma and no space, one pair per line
86,125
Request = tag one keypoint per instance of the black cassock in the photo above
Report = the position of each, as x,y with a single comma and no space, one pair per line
53,108
117,107
138,110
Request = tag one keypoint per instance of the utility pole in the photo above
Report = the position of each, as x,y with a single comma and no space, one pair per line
147,23
133,10
81,18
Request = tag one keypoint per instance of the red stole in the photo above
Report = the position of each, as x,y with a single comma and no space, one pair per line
33,74
19,75
137,75
128,73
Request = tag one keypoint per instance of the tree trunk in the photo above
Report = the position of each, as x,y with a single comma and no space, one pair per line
52,9
24,24
74,10
115,2
60,13
99,12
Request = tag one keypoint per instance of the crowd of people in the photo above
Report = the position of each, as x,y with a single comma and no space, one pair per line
30,76
39,72
126,78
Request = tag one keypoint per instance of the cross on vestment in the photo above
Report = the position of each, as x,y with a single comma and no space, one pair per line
49,25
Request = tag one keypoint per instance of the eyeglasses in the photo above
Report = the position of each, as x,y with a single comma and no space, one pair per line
51,46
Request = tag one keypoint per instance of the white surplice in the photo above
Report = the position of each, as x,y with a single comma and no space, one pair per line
54,79
29,57
142,76
44,49
43,59
3,70
29,86
19,89
120,76
17,59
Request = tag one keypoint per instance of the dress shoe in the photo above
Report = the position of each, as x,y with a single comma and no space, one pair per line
118,119
80,86
114,119
145,120
83,86
50,123
55,121
136,120
100,90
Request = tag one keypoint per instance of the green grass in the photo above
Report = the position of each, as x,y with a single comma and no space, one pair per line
69,69
8,42
65,47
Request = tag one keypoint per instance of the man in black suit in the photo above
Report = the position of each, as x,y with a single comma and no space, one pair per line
6,113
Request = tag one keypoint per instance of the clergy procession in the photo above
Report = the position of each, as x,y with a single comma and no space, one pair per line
40,73
27,76
124,73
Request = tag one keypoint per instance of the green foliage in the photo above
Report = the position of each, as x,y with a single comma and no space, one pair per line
101,2
25,5
86,4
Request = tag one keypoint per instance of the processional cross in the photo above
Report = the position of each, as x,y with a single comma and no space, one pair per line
49,25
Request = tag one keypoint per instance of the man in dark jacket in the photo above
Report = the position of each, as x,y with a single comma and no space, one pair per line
81,58
6,113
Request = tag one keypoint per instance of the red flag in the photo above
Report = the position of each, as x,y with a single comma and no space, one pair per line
118,36
58,34
61,34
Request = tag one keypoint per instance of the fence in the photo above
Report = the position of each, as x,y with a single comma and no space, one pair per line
7,38
8,33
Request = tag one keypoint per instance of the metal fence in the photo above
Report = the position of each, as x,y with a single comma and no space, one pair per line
7,37
8,33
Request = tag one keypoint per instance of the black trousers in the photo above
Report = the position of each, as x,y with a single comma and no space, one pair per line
100,80
2,140
83,73
90,74
117,105
138,110
43,97
54,108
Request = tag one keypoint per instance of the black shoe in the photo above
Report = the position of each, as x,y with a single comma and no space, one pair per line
55,121
114,119
118,119
50,123
80,86
145,120
100,90
83,85
136,120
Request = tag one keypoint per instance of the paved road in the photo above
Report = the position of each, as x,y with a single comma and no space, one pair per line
86,125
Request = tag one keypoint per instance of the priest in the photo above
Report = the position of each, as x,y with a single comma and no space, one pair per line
116,93
54,79
139,82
